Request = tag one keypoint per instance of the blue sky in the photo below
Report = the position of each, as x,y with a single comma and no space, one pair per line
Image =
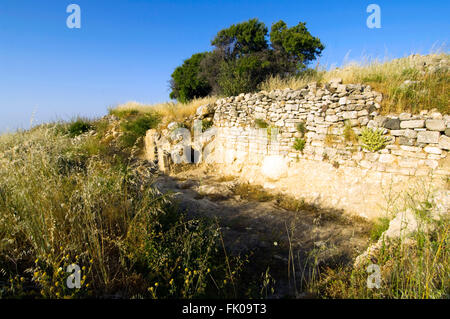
126,50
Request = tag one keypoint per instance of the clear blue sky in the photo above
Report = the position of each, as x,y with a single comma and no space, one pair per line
126,50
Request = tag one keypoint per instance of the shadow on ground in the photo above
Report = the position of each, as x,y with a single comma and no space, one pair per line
290,243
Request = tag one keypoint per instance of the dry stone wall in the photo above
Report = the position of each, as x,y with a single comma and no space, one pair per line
333,169
330,119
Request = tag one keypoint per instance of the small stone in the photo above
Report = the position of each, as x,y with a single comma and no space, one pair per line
386,158
397,132
343,100
404,116
433,150
435,125
444,142
412,124
428,137
406,141
410,133
331,118
392,124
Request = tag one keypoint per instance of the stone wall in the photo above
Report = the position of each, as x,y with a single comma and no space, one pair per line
332,170
415,144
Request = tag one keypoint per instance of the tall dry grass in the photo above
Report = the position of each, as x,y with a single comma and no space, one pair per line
414,266
170,111
65,200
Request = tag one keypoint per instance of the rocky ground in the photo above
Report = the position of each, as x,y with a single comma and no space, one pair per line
288,242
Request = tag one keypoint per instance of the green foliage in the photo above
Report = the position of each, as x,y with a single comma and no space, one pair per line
301,128
296,43
349,134
187,82
206,124
260,123
124,114
244,74
241,39
243,59
78,127
299,144
414,267
138,126
379,227
372,140
127,237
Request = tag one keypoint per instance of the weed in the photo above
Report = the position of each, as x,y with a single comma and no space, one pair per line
299,144
372,140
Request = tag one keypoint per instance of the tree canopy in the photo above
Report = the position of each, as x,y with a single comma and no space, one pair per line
243,58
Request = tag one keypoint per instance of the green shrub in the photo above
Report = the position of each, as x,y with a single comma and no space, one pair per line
79,127
260,123
124,114
187,82
299,144
349,134
301,128
372,140
206,124
138,127
379,227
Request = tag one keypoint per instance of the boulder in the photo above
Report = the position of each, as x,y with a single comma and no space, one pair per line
274,167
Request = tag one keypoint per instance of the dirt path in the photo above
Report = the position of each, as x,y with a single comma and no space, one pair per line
268,232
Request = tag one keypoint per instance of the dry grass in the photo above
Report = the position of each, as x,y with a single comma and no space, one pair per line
430,92
169,111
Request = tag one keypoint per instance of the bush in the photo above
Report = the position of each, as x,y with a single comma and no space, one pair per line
187,82
137,127
349,134
299,144
301,128
79,127
372,140
260,123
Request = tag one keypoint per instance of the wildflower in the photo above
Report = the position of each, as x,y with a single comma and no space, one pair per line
225,281
91,261
275,243
36,261
58,294
22,279
56,284
195,272
187,281
84,277
36,274
156,284
185,269
171,282
150,289
87,285
209,270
